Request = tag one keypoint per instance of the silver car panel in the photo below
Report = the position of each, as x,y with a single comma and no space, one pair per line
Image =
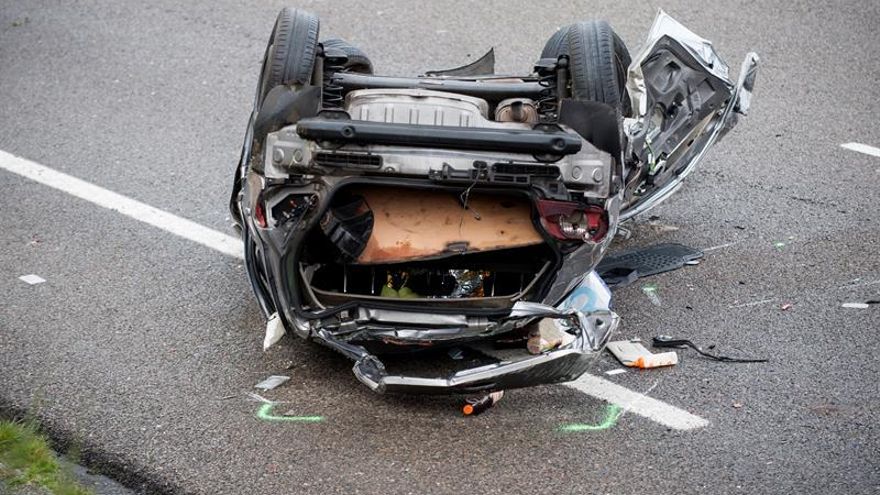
683,101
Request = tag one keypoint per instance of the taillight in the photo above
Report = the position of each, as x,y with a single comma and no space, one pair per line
260,212
569,221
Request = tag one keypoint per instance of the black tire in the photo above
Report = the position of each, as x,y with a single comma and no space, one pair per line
291,51
555,46
598,61
357,59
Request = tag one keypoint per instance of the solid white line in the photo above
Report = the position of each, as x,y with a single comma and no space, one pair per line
647,407
862,148
635,402
168,222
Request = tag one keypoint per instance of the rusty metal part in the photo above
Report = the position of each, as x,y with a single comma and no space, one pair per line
414,224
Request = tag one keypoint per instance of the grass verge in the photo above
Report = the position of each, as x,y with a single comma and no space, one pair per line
27,459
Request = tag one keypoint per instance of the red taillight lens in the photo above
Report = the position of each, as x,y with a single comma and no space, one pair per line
260,213
569,221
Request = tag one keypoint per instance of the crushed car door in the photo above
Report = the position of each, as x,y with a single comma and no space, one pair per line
683,101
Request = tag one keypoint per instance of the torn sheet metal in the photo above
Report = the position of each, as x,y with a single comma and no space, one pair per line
684,101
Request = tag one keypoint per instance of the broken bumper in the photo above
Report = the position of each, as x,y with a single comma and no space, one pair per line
584,314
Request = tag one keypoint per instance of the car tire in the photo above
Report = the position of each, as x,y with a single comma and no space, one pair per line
598,62
357,59
291,51
555,46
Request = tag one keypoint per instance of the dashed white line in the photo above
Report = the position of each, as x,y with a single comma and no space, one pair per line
142,212
635,402
862,148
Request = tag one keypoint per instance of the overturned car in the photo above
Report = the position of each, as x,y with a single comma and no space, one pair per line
386,215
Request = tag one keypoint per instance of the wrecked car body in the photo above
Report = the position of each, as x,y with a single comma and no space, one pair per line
385,215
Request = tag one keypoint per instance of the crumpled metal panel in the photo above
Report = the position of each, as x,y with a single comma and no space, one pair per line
666,26
669,156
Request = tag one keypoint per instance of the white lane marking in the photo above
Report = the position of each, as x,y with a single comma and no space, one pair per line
855,305
647,407
862,148
32,279
640,404
168,222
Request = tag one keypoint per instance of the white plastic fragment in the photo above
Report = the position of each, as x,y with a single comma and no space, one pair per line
274,331
272,382
633,354
32,279
615,371
855,305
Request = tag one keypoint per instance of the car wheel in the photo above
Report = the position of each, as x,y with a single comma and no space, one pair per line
357,59
598,61
291,51
555,46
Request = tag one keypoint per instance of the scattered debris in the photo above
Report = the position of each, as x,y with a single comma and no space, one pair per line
737,405
32,279
786,306
478,406
272,382
779,245
615,371
274,331
665,341
619,270
650,290
633,354
456,353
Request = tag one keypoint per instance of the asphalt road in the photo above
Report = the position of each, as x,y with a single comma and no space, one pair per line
141,346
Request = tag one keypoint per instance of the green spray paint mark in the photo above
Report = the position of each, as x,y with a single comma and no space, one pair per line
265,413
612,414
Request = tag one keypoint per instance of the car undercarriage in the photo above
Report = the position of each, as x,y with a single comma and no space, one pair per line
386,215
